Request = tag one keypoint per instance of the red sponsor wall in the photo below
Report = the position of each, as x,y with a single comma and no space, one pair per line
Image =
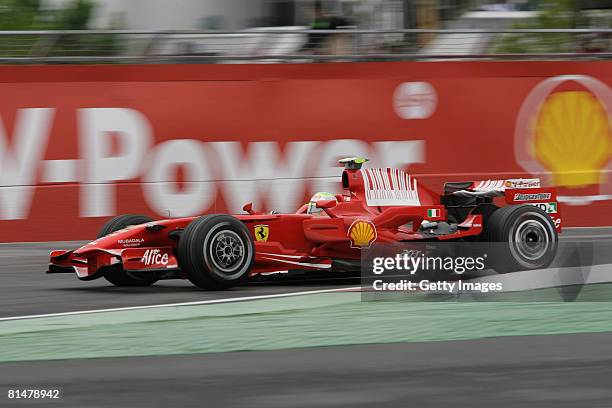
79,144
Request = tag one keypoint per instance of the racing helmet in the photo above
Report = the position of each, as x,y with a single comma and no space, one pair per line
320,196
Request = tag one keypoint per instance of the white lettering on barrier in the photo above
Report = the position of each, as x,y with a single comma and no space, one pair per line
134,136
263,172
159,190
278,179
327,171
20,160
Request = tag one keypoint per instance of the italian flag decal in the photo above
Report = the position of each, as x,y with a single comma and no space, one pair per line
433,213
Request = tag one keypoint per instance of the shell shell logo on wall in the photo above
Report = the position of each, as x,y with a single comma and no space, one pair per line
564,131
572,138
362,234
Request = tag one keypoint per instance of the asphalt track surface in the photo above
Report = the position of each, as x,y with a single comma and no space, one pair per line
538,371
27,290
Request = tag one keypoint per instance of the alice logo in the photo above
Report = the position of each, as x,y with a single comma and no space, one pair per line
361,233
572,138
154,257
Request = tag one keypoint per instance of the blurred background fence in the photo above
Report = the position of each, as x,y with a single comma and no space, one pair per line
286,44
268,31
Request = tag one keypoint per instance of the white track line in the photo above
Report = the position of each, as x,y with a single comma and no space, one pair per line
550,277
201,302
585,236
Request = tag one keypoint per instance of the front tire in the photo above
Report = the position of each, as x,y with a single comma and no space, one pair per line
523,237
216,252
115,274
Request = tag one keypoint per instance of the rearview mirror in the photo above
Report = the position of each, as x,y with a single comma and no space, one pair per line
248,207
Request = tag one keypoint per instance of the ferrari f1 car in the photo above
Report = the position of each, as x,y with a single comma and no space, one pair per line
377,205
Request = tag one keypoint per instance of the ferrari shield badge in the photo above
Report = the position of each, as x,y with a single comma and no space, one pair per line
262,232
362,233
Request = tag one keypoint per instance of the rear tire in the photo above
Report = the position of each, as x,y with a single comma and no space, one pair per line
216,252
522,237
115,274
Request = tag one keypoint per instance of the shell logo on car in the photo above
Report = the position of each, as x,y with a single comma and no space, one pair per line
362,234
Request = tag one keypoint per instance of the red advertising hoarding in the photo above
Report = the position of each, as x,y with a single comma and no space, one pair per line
79,144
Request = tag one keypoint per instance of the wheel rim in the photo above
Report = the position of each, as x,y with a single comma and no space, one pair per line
531,240
226,251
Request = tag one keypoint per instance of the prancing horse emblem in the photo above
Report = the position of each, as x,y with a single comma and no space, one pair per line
262,232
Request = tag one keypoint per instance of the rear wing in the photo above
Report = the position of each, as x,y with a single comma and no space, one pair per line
515,191
489,188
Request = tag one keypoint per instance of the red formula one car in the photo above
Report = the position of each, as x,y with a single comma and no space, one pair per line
381,205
